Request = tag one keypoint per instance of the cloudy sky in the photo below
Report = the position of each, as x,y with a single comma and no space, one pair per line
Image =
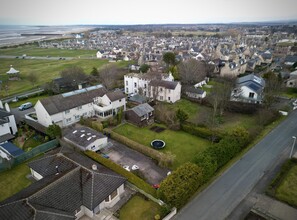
65,12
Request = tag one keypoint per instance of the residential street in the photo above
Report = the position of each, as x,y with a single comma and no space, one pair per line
224,194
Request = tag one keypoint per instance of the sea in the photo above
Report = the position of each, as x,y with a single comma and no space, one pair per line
14,34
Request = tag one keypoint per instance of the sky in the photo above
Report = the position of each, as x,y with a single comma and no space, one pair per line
72,12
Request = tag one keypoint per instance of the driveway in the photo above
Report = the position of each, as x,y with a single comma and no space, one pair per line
20,115
124,155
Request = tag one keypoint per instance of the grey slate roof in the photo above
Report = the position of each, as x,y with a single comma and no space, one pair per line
83,136
192,89
3,116
142,109
113,96
162,83
138,98
251,78
58,103
58,196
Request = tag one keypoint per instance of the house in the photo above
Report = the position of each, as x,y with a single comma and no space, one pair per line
67,108
292,81
194,92
161,87
249,88
168,91
68,186
8,126
85,138
141,115
290,60
233,69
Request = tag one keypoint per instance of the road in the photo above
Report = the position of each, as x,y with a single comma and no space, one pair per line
227,191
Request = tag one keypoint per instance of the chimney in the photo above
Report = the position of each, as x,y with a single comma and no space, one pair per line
6,107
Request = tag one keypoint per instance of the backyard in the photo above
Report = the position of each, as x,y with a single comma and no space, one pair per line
139,208
183,145
14,180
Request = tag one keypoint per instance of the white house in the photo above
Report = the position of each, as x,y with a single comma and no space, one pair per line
86,139
99,55
8,126
153,85
66,109
249,88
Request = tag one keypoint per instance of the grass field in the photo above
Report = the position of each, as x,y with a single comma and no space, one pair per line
183,145
33,100
139,208
33,50
13,181
287,190
46,70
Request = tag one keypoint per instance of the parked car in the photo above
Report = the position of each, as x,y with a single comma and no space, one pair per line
25,106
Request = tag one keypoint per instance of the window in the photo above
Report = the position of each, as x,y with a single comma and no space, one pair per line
251,95
135,84
144,93
68,120
114,194
79,107
120,100
161,89
77,117
67,111
127,90
126,82
145,86
169,90
168,98
161,98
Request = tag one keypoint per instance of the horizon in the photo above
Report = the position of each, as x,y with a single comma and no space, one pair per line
131,12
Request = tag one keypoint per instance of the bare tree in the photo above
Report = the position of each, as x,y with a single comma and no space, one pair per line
33,78
74,74
273,87
109,75
192,71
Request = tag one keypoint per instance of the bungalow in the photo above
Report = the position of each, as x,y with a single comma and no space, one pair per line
68,186
141,115
249,88
194,93
85,138
67,108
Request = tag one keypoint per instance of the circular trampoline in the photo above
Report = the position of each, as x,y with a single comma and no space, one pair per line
158,144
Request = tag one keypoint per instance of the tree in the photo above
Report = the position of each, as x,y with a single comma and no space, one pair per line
94,72
273,87
54,131
74,74
192,71
33,78
182,116
169,59
109,75
144,68
179,186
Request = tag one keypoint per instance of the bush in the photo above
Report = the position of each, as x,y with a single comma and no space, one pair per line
202,132
266,117
178,187
164,160
118,169
208,165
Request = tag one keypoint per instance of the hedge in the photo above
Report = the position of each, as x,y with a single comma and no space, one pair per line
164,160
120,170
200,131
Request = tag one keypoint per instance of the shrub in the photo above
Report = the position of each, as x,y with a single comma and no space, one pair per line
118,169
178,187
265,116
208,165
202,132
165,160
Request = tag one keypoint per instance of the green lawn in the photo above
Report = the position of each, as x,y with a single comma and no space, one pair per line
13,181
46,70
287,190
139,208
183,145
33,50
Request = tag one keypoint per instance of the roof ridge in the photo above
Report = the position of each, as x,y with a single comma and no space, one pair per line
110,175
43,158
10,203
54,213
92,190
27,202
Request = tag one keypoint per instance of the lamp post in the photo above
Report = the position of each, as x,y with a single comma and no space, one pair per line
292,146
